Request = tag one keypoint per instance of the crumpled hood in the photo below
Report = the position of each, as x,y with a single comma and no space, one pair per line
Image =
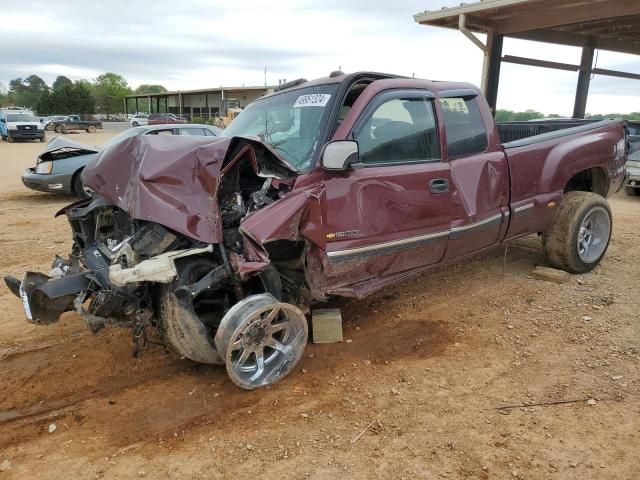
170,180
61,144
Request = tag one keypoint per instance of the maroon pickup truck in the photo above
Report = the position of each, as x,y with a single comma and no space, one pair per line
334,187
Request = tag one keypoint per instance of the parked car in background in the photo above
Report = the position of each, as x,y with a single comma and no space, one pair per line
59,166
49,125
20,125
632,186
74,122
634,136
139,119
163,118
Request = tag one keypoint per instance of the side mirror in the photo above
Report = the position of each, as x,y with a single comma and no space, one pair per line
338,155
2,120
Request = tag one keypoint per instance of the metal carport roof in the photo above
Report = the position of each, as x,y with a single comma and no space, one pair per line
591,24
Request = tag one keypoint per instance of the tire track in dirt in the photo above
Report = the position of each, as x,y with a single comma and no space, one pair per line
420,338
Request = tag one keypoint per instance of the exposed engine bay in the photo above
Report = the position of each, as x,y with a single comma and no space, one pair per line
142,274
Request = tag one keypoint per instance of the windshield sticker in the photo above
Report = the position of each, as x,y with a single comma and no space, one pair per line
312,100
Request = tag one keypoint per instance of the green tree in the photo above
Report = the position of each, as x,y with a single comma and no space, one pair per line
60,82
145,88
511,116
69,98
4,97
85,102
504,115
27,91
633,116
528,115
109,90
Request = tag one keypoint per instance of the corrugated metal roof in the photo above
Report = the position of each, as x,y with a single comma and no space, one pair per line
203,91
605,24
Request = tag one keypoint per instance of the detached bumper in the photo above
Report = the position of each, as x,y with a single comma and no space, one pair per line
53,183
44,298
31,134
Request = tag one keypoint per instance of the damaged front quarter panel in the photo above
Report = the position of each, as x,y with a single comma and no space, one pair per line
292,219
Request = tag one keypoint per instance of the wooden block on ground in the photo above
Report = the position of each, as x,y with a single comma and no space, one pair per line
326,324
550,274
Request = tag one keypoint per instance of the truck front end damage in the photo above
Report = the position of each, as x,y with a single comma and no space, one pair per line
160,246
105,240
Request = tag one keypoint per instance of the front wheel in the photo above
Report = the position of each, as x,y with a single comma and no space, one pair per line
632,191
11,139
91,129
78,187
579,235
189,327
134,124
261,340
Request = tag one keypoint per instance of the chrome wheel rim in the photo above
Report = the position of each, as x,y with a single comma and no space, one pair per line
266,344
593,234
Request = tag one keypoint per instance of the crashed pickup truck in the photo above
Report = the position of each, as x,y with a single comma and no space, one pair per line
336,187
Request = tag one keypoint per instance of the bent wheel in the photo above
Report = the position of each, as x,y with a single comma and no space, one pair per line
261,340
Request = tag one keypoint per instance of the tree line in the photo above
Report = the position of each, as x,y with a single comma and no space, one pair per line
105,94
511,116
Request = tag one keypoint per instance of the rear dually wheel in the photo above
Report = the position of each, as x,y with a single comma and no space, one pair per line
579,235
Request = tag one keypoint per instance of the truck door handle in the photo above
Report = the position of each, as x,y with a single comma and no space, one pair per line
439,185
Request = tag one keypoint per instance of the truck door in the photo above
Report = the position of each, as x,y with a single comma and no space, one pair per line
479,173
391,212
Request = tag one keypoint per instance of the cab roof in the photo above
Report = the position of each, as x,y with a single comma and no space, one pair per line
392,80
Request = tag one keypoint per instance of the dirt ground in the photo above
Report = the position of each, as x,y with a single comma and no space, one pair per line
426,368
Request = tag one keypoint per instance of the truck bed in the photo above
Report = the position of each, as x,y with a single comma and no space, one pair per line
519,134
511,131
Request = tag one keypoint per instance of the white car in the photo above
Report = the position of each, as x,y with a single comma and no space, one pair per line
139,119
20,125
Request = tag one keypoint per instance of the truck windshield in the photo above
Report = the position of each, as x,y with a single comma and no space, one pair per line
290,122
21,117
